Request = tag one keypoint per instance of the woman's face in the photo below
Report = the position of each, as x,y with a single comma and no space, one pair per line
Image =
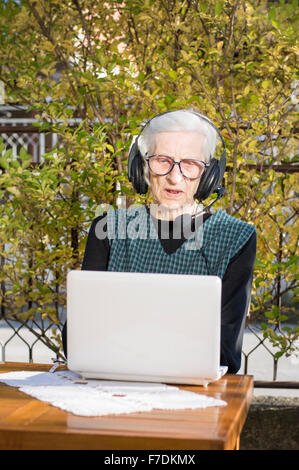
174,192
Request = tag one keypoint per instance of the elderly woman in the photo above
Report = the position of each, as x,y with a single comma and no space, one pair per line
173,157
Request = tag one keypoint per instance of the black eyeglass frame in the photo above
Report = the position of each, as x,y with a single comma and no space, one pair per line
206,165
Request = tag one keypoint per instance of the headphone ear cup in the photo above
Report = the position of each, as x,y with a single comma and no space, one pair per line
136,172
209,181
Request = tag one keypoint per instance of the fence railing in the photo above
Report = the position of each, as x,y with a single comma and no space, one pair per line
28,341
31,335
18,132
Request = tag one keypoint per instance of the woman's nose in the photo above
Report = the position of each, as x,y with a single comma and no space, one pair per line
175,174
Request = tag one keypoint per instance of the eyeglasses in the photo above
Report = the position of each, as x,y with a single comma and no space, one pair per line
190,168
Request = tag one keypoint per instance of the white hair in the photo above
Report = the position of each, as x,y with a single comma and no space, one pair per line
176,121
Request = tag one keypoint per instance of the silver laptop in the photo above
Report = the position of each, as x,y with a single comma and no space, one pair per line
144,327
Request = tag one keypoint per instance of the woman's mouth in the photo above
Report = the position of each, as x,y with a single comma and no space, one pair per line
173,193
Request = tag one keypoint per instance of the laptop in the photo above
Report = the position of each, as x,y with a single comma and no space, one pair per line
144,327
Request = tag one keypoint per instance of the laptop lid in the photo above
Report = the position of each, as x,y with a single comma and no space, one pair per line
144,326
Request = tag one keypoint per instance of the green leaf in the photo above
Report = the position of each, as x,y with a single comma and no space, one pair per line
275,24
173,74
24,155
110,148
204,6
282,318
218,8
4,164
270,314
272,13
259,264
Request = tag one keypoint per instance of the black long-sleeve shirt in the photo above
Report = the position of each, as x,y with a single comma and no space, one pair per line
236,286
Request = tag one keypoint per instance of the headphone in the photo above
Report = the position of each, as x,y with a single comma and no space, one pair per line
209,182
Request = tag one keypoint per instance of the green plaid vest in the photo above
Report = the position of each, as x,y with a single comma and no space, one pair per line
135,245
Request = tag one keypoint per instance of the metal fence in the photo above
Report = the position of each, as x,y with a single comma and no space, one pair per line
17,131
31,335
28,341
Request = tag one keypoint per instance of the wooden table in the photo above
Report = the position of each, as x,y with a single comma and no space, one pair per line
27,423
